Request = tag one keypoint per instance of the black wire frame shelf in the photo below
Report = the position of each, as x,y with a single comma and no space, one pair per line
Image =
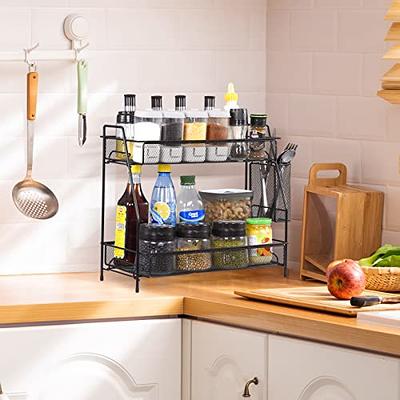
278,247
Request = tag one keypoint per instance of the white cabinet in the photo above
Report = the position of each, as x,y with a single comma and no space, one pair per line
300,370
224,359
108,360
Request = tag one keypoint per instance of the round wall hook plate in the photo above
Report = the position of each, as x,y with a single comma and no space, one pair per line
76,28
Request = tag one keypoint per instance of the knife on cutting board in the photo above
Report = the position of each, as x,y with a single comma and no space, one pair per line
365,301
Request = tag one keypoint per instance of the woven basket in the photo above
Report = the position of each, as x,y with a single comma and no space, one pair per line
385,279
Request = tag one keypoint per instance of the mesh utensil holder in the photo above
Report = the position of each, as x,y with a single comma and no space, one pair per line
278,194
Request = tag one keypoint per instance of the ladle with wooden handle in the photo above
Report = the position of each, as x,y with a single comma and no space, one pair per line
32,198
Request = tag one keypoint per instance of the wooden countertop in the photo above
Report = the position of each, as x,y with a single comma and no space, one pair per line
80,296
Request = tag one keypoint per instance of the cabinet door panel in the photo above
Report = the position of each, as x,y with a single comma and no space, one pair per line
109,360
224,359
310,371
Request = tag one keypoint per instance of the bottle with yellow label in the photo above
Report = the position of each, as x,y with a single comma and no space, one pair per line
126,220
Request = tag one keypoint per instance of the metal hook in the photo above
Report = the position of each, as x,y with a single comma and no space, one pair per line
77,51
32,64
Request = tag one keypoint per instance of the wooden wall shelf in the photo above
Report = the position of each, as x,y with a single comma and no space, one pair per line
393,13
391,80
391,96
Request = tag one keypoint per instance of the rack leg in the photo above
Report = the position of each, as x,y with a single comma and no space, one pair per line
285,247
137,284
103,201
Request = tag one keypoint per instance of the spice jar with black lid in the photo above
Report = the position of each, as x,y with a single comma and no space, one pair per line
193,237
155,242
172,131
217,129
258,130
226,234
238,130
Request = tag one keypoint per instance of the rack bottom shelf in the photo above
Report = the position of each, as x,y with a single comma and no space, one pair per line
112,264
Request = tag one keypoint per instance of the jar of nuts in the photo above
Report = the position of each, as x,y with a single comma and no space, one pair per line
193,237
227,204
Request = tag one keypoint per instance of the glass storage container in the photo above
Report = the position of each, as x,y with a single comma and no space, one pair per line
195,129
227,204
154,242
217,129
193,237
238,130
147,127
172,130
259,231
258,130
226,234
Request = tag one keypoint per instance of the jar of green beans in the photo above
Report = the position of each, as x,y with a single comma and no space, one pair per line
227,234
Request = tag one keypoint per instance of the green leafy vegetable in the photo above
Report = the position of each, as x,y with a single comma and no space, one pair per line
386,256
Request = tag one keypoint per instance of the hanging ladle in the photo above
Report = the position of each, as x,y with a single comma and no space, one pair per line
32,198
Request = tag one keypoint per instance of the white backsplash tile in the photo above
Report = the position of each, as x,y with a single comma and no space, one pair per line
136,46
340,119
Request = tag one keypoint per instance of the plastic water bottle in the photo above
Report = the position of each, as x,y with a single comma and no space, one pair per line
190,206
163,199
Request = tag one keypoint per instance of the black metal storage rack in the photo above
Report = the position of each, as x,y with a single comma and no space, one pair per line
278,186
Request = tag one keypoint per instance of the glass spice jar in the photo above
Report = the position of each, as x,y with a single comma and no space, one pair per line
259,231
126,120
226,234
195,129
155,242
217,129
193,237
258,130
238,130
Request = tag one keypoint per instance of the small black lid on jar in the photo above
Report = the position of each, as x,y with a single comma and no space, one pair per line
125,117
258,120
239,117
130,102
180,102
229,228
156,233
209,102
193,231
156,102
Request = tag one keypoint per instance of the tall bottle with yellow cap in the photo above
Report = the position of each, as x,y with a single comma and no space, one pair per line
231,98
126,220
163,198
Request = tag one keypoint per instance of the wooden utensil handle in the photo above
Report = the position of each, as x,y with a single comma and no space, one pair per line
32,90
341,179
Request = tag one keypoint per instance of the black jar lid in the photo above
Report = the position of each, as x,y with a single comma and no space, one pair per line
258,120
229,228
130,102
156,233
125,117
239,117
156,102
180,102
193,231
209,102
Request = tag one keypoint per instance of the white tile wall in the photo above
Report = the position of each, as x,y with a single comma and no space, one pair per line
338,116
139,46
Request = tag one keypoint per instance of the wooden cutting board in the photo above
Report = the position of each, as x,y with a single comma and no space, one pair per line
316,298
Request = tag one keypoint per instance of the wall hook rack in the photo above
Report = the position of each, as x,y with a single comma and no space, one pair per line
76,29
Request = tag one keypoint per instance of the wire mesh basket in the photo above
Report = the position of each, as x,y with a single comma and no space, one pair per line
270,183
